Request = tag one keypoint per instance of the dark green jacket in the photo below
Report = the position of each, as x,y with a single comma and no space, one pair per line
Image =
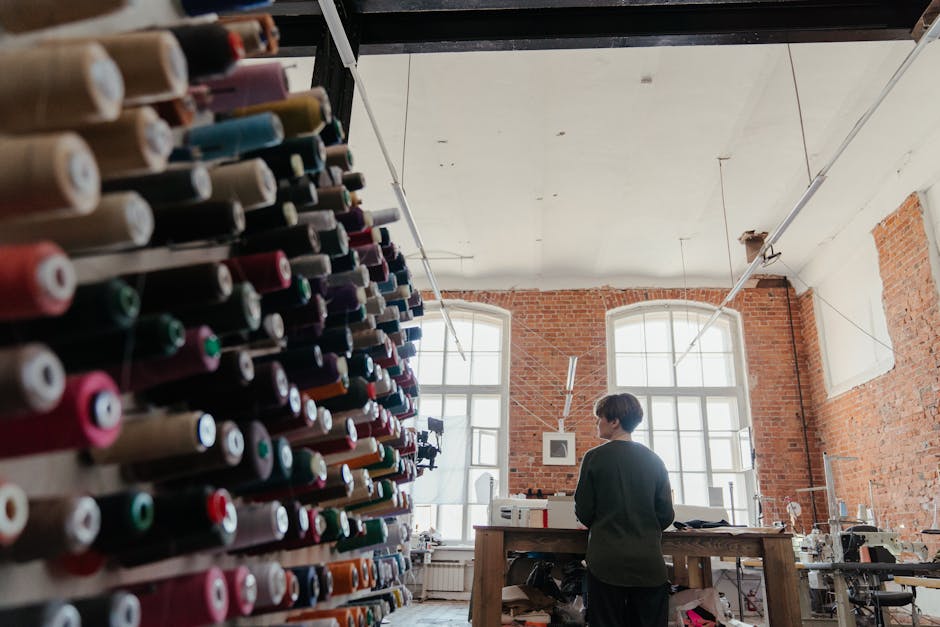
625,501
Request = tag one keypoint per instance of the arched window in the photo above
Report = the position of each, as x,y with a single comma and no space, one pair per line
696,412
472,397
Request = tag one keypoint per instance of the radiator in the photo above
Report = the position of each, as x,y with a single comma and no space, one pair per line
444,576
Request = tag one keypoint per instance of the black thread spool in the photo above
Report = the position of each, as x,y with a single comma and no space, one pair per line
345,263
257,461
302,192
334,242
343,319
357,395
290,412
220,220
309,315
115,609
268,390
125,518
48,614
297,295
241,311
226,452
325,578
295,241
210,49
153,336
268,335
308,149
176,186
309,586
236,370
333,133
277,216
338,340
186,286
361,365
300,364
354,181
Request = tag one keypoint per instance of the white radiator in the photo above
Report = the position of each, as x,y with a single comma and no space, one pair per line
444,576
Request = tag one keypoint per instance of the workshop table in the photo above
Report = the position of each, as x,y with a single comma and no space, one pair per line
690,551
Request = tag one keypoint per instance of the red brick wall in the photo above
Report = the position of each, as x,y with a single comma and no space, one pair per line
549,326
890,422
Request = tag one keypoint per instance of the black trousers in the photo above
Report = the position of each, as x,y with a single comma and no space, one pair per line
626,606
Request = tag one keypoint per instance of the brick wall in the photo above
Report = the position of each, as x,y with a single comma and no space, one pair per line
549,326
890,422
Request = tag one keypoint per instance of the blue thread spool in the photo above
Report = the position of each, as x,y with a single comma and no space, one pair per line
234,137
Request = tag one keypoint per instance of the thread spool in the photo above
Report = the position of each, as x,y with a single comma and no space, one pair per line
236,371
32,379
282,158
305,324
281,469
302,192
267,272
366,340
367,324
270,334
322,221
58,86
187,601
137,142
389,286
121,220
251,182
227,452
354,220
296,295
364,237
277,216
268,389
294,241
199,284
260,523
36,280
308,584
88,415
14,512
241,311
253,36
242,592
358,393
199,354
272,583
152,336
25,16
366,452
300,114
335,389
156,436
116,609
364,489
305,419
339,484
218,220
333,132
370,254
257,460
325,580
345,577
312,266
48,614
56,526
376,532
334,242
385,216
152,64
291,594
125,518
210,49
337,341
178,111
176,186
230,138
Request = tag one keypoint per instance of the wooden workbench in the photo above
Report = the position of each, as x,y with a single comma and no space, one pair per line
689,550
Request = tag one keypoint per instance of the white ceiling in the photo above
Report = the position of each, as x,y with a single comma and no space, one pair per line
578,168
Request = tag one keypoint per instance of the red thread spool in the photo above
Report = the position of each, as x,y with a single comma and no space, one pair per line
242,592
267,272
188,601
88,415
200,354
367,568
365,237
35,280
292,594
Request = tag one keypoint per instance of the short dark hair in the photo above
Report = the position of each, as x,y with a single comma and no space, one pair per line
622,407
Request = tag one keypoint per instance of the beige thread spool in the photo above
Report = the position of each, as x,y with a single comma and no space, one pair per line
364,489
367,339
138,142
340,156
366,452
252,36
32,379
363,325
122,220
323,423
46,173
152,63
57,526
159,436
58,86
336,199
251,182
321,220
22,16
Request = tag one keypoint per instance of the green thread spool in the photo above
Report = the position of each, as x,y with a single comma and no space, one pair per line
376,532
337,524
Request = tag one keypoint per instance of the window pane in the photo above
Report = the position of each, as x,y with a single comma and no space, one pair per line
689,371
450,521
432,335
740,490
722,413
464,333
658,338
631,370
663,413
455,405
485,448
721,451
664,444
485,369
480,493
690,413
717,338
641,436
717,368
485,411
659,369
477,517
423,517
628,336
692,447
486,337
745,449
458,370
675,482
432,368
685,327
695,488
430,405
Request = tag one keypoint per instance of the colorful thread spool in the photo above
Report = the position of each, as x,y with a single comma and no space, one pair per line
242,591
272,583
227,452
36,280
230,138
300,114
32,379
210,49
260,523
248,85
138,141
156,436
152,63
187,601
125,518
56,526
267,272
199,354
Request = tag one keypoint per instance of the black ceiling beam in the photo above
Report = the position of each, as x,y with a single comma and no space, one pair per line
416,26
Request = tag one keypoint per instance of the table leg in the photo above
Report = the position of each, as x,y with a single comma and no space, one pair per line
783,603
489,576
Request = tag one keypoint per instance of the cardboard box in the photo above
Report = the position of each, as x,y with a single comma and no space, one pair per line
561,513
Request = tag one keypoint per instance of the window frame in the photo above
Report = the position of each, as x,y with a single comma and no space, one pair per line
460,309
740,391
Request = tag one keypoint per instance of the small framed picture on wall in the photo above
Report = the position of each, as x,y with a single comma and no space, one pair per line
558,449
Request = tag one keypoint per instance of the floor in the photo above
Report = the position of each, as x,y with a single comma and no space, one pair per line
450,613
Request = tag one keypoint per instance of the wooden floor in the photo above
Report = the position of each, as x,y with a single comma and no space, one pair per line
449,613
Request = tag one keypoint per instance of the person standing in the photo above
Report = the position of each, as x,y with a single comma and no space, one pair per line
624,499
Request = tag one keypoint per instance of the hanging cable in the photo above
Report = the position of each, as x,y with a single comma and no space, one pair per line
724,212
799,111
